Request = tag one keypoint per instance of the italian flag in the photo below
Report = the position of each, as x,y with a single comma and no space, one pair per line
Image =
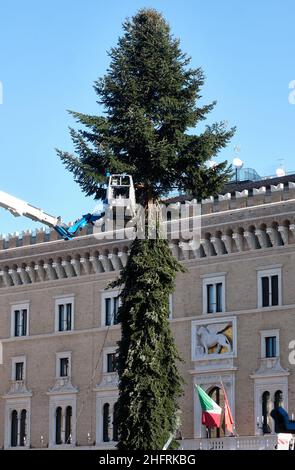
211,412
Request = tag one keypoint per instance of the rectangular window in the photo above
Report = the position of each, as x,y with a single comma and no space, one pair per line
111,362
270,343
19,371
270,346
111,310
214,297
64,313
20,322
65,317
64,366
269,286
270,290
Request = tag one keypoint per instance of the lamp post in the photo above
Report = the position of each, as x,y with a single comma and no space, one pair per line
280,172
237,163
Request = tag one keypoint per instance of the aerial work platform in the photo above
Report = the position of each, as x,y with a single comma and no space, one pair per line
120,192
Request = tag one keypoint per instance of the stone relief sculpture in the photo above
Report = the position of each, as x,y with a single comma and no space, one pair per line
211,336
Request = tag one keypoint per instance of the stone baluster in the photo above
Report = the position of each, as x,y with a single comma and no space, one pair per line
7,280
25,278
262,238
228,242
106,263
274,236
292,232
251,240
75,262
15,277
284,231
116,261
50,271
59,270
86,264
31,273
208,247
68,267
40,272
239,241
123,257
184,250
218,245
197,249
97,266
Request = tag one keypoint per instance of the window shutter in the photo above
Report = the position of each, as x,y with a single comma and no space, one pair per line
16,322
267,347
274,346
265,291
275,290
24,322
210,299
219,306
60,317
115,307
108,315
69,316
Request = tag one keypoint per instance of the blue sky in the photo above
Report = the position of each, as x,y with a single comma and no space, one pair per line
52,51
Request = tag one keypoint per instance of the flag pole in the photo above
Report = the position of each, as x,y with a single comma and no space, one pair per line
228,407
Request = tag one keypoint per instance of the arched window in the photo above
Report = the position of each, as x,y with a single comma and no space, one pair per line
115,426
217,395
58,422
22,437
106,422
14,426
265,412
278,398
68,427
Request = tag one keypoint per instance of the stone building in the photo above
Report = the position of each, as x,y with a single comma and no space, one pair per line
232,316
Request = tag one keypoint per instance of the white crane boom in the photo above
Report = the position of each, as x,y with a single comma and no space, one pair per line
17,207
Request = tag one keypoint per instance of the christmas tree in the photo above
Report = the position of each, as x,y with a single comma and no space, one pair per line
150,97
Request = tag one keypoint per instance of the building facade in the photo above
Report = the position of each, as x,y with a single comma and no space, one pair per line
232,315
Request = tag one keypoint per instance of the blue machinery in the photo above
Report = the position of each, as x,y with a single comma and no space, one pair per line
120,193
282,421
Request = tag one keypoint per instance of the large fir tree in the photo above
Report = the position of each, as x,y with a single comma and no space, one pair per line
150,97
